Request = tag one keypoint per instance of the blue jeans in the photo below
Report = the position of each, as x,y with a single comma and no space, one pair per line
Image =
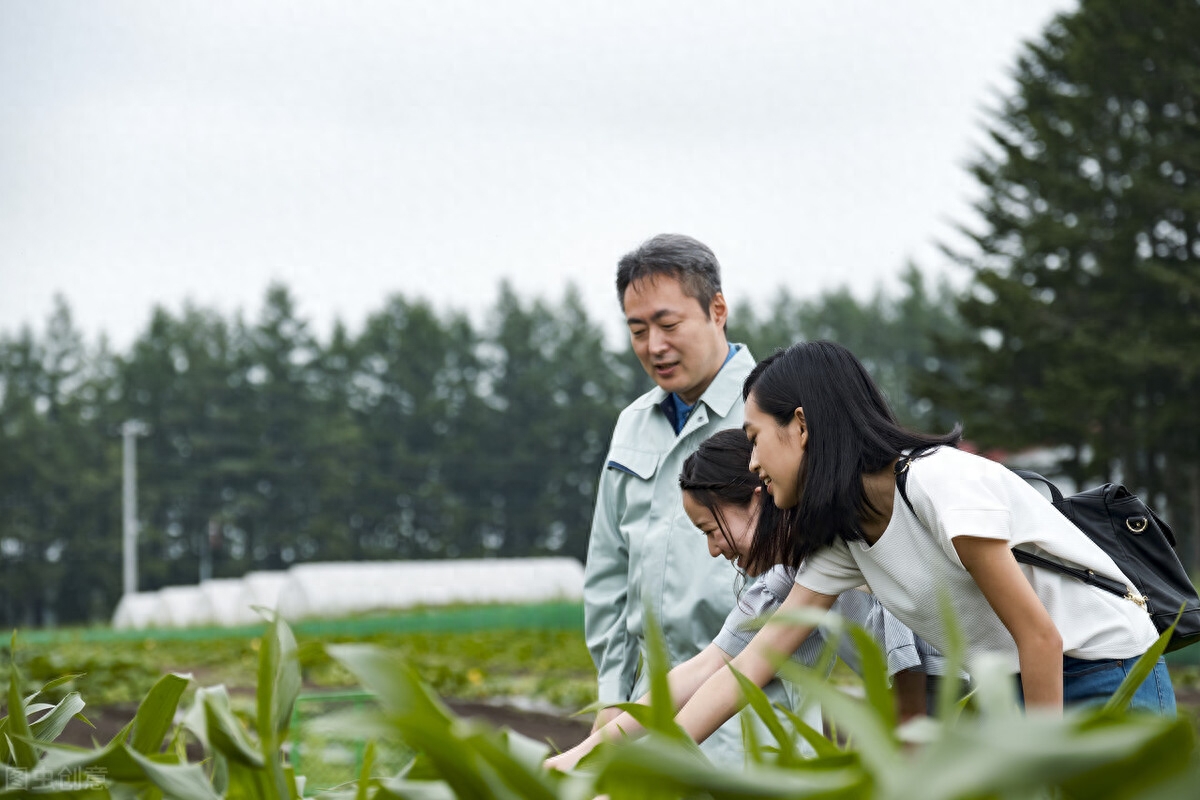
1095,681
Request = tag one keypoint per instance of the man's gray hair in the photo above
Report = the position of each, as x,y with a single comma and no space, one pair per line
681,257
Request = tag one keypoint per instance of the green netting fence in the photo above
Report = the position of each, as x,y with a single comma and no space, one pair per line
327,756
449,619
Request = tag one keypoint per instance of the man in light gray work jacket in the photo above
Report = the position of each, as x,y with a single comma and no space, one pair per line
643,551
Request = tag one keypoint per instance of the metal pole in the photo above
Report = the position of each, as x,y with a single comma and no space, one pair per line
130,430
206,543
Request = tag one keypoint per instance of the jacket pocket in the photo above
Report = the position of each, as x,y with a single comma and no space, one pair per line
638,463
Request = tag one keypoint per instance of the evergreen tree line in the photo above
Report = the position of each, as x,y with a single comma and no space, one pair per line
420,436
426,436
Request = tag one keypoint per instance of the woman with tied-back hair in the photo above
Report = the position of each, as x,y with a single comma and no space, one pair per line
725,501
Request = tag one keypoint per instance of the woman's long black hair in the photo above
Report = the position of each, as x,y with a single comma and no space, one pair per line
851,432
718,474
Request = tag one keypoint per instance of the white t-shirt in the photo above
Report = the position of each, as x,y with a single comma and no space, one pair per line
958,494
763,597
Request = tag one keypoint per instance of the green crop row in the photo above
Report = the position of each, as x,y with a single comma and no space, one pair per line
414,748
551,666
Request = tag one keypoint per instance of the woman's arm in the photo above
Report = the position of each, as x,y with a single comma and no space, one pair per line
683,681
712,694
1039,643
720,697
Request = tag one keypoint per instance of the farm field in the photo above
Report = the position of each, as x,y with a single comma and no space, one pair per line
533,657
522,668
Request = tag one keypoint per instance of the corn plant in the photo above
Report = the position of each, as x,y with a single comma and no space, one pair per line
978,747
982,746
148,757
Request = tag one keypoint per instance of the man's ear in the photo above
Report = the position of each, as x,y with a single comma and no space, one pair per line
718,310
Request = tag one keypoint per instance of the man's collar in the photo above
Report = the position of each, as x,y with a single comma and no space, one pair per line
724,391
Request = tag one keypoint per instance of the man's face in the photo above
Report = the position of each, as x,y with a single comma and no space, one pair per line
680,346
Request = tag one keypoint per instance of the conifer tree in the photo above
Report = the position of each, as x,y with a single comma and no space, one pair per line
1086,269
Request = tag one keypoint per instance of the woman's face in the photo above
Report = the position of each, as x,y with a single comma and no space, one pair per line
776,451
729,533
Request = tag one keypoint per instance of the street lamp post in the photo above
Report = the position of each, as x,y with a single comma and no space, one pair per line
130,430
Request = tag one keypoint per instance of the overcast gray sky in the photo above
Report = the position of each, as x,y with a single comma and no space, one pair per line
160,150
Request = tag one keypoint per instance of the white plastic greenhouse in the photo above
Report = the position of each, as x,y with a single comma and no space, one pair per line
340,589
137,611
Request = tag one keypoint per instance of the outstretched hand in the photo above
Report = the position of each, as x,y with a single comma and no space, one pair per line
566,761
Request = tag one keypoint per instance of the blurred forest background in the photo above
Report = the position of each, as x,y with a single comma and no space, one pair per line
424,435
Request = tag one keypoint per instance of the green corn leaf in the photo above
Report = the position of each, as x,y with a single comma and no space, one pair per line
644,716
246,782
877,742
1021,755
111,760
278,685
278,678
156,713
642,713
659,767
453,762
60,681
947,705
1141,670
591,708
995,692
530,753
1163,785
180,782
295,785
658,664
212,721
832,624
1167,748
402,789
398,689
527,780
820,745
17,750
761,705
418,718
220,775
756,752
225,733
362,786
873,664
48,728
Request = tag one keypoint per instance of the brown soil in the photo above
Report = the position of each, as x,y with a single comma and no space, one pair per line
559,732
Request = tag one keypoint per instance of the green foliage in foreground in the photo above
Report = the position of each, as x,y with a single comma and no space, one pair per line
977,749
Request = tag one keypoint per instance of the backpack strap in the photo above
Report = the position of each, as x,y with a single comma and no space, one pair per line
1029,475
1086,575
901,471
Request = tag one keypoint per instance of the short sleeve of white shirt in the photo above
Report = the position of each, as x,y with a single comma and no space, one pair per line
830,571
